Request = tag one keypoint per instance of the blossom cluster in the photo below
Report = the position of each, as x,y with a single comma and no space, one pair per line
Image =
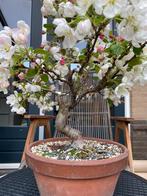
118,60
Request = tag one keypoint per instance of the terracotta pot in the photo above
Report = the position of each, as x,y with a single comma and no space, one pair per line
76,178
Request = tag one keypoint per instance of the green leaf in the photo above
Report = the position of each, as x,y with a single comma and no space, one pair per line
63,51
44,77
49,26
31,73
97,20
82,57
74,22
97,69
40,51
110,102
96,55
133,62
137,51
84,50
118,19
116,49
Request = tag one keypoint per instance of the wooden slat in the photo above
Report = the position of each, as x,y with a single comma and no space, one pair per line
31,116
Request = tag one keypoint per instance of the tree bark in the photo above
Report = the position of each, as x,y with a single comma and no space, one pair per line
61,123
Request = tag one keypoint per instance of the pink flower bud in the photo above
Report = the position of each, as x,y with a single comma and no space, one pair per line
43,32
21,76
119,38
100,49
33,65
101,36
111,36
62,61
101,58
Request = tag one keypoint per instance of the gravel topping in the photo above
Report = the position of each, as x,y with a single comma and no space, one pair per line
87,150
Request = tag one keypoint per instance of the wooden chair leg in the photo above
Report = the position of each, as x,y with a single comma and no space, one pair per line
127,140
30,137
47,130
129,146
117,133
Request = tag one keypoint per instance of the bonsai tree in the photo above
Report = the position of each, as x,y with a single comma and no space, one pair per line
117,61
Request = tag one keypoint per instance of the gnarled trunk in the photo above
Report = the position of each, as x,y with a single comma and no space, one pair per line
61,123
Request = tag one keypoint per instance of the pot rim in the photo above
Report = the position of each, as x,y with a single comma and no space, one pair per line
83,163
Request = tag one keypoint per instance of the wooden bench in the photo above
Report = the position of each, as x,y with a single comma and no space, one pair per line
38,120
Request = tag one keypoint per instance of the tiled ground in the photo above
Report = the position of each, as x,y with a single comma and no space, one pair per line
4,172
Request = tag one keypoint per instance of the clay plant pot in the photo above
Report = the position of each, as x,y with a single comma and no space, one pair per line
76,178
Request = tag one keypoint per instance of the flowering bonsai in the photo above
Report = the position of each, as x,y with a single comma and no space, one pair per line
117,61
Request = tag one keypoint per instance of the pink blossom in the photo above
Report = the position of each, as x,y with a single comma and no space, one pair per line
100,49
33,65
21,76
4,84
119,38
101,36
62,61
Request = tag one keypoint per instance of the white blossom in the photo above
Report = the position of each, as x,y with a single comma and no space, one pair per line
63,29
110,8
110,94
83,6
23,27
6,55
98,5
45,103
83,29
140,4
6,50
121,90
76,51
32,88
19,110
104,70
55,51
67,9
14,101
72,24
48,8
4,76
21,33
32,99
7,31
61,69
5,42
3,85
134,26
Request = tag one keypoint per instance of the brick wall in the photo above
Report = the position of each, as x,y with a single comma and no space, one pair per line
139,102
139,126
